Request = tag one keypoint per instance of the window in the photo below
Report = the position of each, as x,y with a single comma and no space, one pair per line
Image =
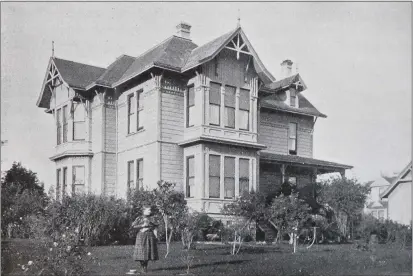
244,109
58,172
59,127
229,102
139,173
229,177
190,176
139,105
244,176
293,97
64,182
65,115
381,214
214,104
214,176
374,214
78,180
292,138
190,111
131,179
131,113
79,130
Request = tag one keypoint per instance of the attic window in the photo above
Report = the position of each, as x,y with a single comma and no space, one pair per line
293,98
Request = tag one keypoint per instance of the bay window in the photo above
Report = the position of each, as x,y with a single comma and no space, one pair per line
78,184
214,104
190,107
229,177
292,138
244,109
229,115
190,176
79,129
214,176
244,175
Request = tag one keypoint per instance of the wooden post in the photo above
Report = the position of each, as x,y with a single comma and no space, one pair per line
283,167
314,180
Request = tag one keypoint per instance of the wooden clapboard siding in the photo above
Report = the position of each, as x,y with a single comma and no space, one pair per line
172,164
172,116
273,132
110,129
230,70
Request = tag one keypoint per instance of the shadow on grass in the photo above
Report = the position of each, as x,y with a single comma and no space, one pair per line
201,265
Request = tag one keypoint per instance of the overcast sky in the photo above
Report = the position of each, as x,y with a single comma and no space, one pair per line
354,57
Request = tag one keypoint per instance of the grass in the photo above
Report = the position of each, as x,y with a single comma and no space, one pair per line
255,259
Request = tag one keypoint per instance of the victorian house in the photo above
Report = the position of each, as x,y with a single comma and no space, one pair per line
210,118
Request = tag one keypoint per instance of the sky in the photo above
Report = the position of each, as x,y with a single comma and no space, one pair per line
355,59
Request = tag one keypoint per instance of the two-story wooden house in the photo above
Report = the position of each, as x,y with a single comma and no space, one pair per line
210,118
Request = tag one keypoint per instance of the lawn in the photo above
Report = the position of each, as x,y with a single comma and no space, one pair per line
257,260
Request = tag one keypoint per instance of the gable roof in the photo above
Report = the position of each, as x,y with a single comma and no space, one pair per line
305,107
398,180
209,50
77,75
171,54
285,82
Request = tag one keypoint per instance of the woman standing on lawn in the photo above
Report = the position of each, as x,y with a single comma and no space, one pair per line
146,248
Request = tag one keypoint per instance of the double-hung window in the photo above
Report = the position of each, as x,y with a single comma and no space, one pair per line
292,138
214,104
132,123
139,173
244,175
79,129
190,106
58,183
59,126
229,115
229,177
214,176
64,186
78,174
244,109
131,179
65,115
190,176
139,108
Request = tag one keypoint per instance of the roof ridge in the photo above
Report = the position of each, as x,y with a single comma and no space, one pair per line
79,63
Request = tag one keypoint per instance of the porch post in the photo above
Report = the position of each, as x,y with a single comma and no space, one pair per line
282,173
343,174
314,180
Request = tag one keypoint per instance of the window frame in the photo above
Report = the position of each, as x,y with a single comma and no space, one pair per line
188,177
219,175
215,104
129,113
64,124
139,109
64,181
58,127
240,178
130,167
139,177
189,106
293,99
247,110
58,182
228,107
74,180
229,177
77,122
295,138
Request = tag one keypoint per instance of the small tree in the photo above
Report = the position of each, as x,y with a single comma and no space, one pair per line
246,209
189,225
289,213
171,205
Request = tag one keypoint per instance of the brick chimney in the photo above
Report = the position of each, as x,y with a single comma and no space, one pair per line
184,30
286,68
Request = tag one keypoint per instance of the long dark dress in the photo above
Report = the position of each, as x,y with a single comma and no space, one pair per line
146,245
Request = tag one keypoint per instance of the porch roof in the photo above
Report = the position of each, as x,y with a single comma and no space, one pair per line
321,165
